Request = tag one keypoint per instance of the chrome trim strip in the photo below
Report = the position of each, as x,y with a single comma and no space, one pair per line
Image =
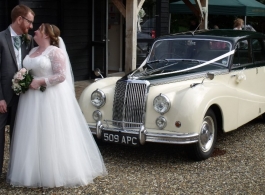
180,78
123,126
144,136
185,138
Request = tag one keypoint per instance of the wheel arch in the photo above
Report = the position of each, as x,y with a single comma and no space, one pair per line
218,116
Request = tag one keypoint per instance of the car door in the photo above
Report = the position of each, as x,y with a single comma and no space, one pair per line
258,50
246,75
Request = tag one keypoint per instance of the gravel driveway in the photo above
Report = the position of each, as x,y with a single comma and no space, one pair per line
236,167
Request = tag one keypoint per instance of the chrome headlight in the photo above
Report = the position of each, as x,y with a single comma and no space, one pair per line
161,103
98,98
97,115
161,122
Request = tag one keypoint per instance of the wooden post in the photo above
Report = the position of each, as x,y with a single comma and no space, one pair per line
131,32
204,4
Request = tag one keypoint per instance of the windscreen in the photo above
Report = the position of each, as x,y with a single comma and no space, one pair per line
190,49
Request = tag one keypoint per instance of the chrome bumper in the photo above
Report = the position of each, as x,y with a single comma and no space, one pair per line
144,136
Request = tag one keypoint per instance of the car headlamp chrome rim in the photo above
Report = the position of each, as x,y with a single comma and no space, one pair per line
161,104
161,122
98,98
97,115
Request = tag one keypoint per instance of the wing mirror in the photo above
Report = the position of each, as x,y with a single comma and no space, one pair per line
208,76
97,72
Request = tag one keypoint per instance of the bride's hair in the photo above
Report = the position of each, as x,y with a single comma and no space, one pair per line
53,32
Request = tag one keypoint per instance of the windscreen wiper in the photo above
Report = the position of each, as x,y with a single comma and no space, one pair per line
158,69
155,61
189,60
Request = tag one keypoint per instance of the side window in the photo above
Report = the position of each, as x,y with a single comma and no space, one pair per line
242,54
258,50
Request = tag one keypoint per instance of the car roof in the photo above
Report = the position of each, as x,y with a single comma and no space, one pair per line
223,34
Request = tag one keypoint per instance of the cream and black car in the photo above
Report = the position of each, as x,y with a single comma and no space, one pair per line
189,86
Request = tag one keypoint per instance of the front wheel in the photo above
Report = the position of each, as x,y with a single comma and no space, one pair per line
203,149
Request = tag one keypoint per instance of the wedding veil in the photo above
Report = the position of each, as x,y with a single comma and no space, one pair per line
69,73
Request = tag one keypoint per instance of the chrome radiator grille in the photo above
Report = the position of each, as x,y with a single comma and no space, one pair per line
129,103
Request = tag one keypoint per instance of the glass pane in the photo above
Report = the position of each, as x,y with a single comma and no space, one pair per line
258,50
147,18
99,36
146,29
99,20
99,58
242,55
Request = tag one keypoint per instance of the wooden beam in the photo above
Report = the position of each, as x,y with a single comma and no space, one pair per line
131,35
200,10
140,4
192,8
120,6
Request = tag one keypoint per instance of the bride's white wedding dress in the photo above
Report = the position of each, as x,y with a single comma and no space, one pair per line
52,145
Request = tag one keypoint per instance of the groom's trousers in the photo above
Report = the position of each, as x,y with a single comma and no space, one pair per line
7,119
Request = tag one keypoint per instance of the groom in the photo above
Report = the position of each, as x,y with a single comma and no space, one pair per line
13,48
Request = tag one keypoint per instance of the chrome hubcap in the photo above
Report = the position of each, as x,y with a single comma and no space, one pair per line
207,134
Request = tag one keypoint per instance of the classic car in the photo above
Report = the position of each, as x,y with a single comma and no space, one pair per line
190,85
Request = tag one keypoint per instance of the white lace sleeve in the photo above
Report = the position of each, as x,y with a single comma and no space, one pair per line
58,67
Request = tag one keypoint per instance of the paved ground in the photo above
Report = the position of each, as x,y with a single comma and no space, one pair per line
236,167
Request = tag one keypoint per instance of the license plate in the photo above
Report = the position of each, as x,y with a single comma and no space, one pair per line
120,138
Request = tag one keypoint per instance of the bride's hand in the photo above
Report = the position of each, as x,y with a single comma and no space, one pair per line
36,83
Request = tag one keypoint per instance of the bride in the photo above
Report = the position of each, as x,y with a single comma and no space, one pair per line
52,145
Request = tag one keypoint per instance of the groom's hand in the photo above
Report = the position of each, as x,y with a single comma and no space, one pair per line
3,107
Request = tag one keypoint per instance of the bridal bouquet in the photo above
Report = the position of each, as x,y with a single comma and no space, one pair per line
22,80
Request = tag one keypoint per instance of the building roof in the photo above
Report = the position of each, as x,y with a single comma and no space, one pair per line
224,7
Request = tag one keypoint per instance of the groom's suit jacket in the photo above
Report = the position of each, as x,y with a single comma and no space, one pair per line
8,63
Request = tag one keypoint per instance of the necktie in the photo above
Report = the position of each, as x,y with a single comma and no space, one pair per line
17,42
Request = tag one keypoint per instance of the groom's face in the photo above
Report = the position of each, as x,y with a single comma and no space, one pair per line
27,23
